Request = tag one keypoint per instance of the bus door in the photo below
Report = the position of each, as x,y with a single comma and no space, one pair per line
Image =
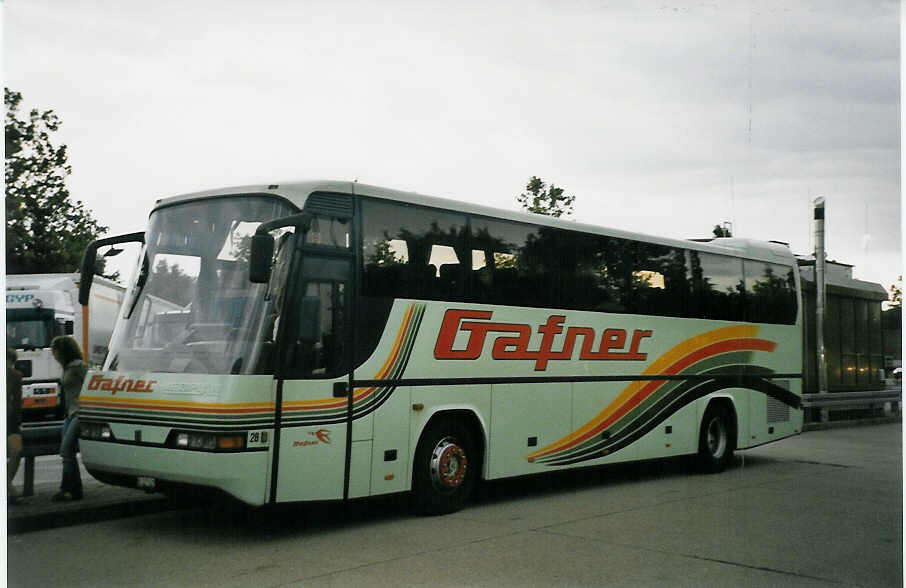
314,339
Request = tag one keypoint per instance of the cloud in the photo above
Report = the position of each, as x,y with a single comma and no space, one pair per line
666,118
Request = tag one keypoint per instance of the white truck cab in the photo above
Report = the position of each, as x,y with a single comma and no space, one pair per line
40,307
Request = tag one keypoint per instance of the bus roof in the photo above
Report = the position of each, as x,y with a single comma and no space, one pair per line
297,193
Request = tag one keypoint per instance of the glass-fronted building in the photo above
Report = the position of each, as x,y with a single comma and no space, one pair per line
853,337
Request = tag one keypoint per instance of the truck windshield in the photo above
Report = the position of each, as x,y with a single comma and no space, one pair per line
29,328
192,308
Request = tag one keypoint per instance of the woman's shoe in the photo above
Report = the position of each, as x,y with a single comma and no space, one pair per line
63,496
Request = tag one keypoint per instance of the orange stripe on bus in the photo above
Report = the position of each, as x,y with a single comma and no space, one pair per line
153,402
199,408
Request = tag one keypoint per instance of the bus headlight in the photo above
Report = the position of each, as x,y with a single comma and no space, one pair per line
202,441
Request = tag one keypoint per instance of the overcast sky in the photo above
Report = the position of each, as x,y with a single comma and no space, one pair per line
663,117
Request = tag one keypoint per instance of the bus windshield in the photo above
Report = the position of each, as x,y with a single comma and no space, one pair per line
192,308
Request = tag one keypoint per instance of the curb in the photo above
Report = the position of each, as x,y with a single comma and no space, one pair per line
852,423
89,513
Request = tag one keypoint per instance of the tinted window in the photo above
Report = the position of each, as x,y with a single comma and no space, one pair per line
848,339
770,293
832,342
412,252
512,263
608,274
659,283
874,339
417,252
328,232
594,274
717,287
316,324
863,363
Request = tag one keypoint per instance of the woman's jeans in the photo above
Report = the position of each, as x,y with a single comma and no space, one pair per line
72,481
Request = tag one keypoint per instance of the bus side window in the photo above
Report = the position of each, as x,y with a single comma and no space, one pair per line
770,293
717,287
404,247
659,282
514,263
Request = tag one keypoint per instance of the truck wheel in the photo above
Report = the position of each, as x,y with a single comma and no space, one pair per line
446,467
716,440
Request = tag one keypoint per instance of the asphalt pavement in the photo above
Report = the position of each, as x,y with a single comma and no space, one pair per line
100,501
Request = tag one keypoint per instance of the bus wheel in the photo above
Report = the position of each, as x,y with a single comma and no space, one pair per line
446,467
716,441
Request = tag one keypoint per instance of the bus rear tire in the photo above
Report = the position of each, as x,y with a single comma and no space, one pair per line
446,467
716,440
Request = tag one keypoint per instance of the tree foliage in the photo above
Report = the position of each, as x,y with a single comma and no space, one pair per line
722,231
46,231
543,199
171,283
896,293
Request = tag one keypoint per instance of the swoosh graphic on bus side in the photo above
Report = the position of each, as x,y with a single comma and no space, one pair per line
687,392
144,404
365,400
167,412
628,416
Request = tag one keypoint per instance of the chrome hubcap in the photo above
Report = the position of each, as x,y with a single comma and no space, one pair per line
448,465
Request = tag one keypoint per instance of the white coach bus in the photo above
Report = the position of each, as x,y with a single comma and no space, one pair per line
342,341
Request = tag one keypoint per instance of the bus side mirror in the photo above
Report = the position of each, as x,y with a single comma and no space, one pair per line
260,258
89,258
263,244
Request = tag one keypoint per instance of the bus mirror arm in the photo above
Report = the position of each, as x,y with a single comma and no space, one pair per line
89,258
263,244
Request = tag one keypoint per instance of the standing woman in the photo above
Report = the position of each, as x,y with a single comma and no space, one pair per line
13,424
66,351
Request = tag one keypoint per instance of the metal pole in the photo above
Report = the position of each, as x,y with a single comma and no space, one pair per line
820,299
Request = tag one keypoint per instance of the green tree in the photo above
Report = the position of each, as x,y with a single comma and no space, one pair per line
543,199
171,283
896,293
46,231
722,231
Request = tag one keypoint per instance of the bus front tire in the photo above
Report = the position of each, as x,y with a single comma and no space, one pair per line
717,440
446,467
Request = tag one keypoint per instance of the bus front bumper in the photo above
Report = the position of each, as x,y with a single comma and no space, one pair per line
242,475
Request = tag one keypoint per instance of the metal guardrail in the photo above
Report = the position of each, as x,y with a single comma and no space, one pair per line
844,400
38,439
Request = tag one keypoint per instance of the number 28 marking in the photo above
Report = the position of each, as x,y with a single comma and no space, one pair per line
257,437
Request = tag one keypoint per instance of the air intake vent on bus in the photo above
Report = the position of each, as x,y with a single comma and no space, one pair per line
332,205
778,412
